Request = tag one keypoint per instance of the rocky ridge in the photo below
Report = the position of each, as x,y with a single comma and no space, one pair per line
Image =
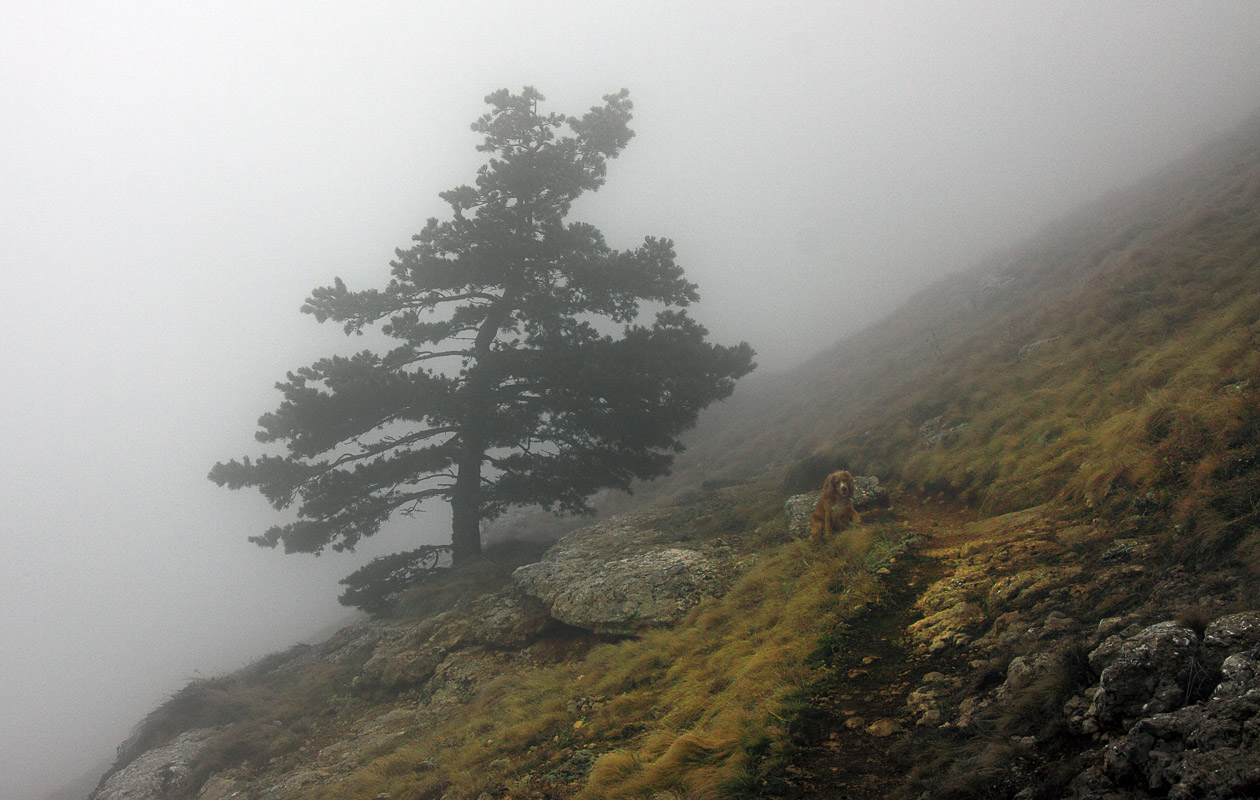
617,578
1044,648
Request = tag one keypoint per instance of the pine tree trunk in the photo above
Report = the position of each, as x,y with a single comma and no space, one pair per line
466,511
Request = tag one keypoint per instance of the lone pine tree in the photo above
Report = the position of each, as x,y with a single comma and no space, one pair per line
505,388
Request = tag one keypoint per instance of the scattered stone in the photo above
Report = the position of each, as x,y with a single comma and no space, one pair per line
940,630
883,728
936,431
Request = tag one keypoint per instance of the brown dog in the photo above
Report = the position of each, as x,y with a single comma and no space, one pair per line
835,507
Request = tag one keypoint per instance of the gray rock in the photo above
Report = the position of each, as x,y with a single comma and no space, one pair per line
1023,671
1167,744
936,431
1239,674
1208,751
799,508
405,656
503,620
163,773
621,597
1230,634
1152,672
1106,652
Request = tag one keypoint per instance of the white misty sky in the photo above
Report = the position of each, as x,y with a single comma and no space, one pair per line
175,178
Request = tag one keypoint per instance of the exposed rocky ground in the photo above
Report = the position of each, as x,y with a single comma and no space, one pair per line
1030,657
1022,656
618,578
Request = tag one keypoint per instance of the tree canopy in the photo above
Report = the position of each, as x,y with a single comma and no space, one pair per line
521,375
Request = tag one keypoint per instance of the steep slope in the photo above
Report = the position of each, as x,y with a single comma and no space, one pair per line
1078,367
1072,430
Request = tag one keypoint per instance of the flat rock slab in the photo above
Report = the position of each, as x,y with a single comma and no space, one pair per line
623,596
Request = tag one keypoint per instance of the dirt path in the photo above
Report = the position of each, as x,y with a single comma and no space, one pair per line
871,672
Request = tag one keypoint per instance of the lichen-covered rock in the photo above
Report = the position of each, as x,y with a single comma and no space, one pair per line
937,431
1151,672
623,596
163,773
867,493
799,508
1240,674
1230,634
502,620
1106,652
459,676
1208,751
1023,671
405,656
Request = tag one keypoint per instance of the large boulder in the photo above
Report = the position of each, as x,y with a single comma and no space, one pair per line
622,596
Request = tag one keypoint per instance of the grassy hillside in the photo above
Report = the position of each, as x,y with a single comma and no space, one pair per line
1104,379
1110,364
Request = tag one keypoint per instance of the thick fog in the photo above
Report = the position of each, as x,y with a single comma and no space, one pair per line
175,178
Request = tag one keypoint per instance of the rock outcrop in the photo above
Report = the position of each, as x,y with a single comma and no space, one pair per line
163,773
621,597
619,577
407,654
642,586
1176,744
1156,670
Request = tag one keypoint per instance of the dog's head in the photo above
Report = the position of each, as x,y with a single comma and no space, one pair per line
839,485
